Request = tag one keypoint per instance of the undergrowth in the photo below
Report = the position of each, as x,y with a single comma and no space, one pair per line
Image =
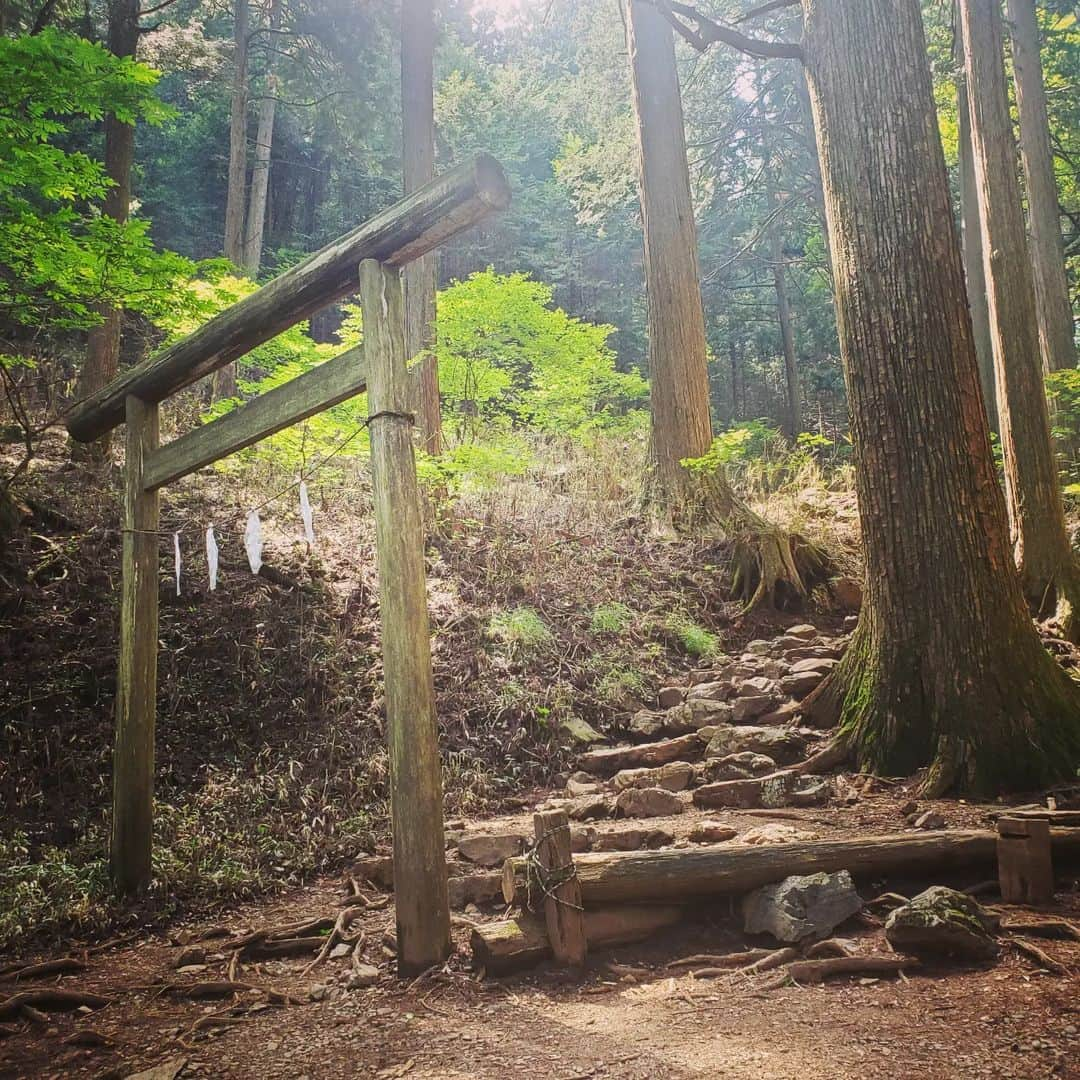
548,599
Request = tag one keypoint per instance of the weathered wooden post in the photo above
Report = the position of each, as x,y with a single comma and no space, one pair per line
1025,860
136,691
563,912
420,893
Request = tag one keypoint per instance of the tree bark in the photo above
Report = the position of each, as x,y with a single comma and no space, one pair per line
103,341
260,171
224,383
945,669
678,364
792,411
418,167
1041,544
974,270
1056,329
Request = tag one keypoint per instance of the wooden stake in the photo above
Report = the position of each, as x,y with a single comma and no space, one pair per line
136,691
563,911
420,890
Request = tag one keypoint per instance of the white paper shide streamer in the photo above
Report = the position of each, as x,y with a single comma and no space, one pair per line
305,513
176,559
212,557
253,542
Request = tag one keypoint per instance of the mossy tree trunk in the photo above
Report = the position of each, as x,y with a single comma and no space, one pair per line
1048,570
945,670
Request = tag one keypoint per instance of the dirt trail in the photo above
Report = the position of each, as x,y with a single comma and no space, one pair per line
628,1016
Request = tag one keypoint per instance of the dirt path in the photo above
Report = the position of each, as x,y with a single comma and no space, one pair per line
628,1016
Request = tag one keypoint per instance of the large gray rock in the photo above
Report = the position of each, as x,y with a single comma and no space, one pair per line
820,665
783,745
680,720
942,922
589,808
801,908
648,802
758,684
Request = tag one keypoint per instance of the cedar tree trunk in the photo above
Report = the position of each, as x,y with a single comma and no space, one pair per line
945,669
1041,545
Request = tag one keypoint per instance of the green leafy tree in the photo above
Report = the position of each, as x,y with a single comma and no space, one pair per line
507,357
58,256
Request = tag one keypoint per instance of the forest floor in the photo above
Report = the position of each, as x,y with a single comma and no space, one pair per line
627,1016
272,784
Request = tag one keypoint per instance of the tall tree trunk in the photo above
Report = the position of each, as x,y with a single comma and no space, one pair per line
264,141
103,341
1042,549
945,668
678,365
770,566
974,268
418,167
1056,328
792,396
224,379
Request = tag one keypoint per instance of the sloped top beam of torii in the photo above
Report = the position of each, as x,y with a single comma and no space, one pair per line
440,209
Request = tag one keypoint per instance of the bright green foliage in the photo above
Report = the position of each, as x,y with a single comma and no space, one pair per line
694,639
58,257
622,686
471,467
521,629
508,358
611,618
743,442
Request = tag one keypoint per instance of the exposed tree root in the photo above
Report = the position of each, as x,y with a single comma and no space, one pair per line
774,959
53,1000
726,961
1056,929
337,936
772,568
815,971
65,965
978,716
1033,952
224,988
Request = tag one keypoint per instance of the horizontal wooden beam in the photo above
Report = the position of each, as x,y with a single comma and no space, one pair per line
411,228
328,384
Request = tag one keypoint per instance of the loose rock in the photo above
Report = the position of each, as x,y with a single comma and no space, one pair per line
744,766
648,802
633,838
673,777
942,921
751,706
783,745
801,908
589,808
490,849
712,832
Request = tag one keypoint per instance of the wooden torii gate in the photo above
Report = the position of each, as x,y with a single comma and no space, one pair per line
370,258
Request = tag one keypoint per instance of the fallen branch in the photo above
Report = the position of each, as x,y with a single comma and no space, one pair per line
50,1000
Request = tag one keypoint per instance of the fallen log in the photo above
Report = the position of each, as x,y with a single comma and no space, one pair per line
732,869
610,760
521,942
